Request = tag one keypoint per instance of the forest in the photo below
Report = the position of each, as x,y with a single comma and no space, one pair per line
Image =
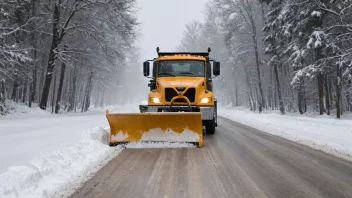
286,55
64,54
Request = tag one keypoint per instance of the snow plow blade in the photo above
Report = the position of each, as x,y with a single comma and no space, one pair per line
155,127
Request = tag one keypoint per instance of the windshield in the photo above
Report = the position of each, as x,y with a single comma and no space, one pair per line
181,68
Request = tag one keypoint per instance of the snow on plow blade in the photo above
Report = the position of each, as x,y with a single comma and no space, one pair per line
155,127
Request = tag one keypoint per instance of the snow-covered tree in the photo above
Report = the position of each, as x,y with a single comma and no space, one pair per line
85,41
311,43
305,64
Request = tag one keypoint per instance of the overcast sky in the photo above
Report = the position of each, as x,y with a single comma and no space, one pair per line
163,21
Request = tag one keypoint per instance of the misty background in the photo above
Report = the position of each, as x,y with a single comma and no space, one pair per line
286,56
162,24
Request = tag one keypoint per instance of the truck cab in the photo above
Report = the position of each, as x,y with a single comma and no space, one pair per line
182,82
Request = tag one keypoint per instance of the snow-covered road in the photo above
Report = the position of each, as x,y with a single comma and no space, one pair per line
237,161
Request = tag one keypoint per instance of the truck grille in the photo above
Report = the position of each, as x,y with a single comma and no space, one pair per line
191,94
170,93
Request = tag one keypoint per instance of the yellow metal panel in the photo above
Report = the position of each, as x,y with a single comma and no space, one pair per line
127,127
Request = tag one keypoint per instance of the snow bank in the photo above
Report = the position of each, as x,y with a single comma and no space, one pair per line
21,108
27,136
322,132
61,172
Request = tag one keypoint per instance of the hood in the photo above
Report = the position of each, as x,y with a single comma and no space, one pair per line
180,81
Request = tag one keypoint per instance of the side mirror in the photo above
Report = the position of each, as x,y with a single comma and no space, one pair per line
146,69
216,68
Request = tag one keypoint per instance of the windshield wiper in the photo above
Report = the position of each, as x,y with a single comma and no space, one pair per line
188,73
165,74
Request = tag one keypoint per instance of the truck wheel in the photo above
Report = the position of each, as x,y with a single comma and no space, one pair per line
210,126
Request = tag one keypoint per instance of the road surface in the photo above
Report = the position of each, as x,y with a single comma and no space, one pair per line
237,161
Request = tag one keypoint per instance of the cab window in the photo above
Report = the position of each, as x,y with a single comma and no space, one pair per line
181,68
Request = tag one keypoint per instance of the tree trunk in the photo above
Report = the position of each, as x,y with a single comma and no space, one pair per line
34,79
58,100
41,83
87,105
53,97
33,82
16,84
263,13
321,93
304,99
2,97
316,99
281,102
327,98
331,86
249,86
348,96
86,98
74,88
24,89
338,91
232,98
270,90
275,98
30,94
20,93
301,98
102,99
52,58
318,57
261,99
231,94
236,94
299,101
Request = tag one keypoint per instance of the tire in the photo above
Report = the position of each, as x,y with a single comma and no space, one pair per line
210,126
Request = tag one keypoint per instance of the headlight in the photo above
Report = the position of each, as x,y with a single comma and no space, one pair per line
205,100
155,100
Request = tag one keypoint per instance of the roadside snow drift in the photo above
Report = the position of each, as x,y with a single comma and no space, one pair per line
322,132
61,172
27,136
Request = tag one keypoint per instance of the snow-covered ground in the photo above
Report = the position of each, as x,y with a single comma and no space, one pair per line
62,171
26,136
320,132
45,155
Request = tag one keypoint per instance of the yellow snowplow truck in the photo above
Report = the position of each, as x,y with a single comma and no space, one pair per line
180,101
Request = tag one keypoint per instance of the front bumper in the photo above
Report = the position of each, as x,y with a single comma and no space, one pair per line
208,113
